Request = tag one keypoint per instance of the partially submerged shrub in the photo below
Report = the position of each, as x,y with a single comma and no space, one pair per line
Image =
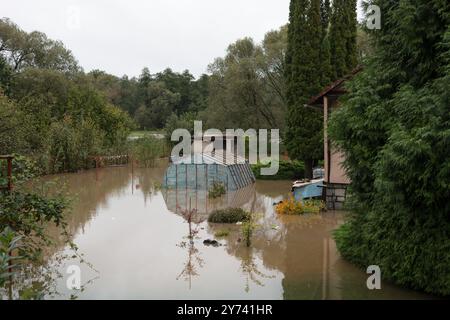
24,168
69,145
287,170
9,242
217,190
313,206
222,233
229,215
294,207
147,150
247,229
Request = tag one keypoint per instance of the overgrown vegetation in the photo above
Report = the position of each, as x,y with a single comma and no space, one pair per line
288,170
291,206
248,227
217,190
147,150
9,243
229,215
49,110
24,220
246,87
394,128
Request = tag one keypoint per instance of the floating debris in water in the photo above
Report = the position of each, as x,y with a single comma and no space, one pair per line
209,242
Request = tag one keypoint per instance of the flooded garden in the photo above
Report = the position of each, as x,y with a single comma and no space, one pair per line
133,242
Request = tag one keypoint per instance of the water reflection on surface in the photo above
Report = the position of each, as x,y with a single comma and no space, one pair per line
136,238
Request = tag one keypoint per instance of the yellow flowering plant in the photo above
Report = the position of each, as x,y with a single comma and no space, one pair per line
294,207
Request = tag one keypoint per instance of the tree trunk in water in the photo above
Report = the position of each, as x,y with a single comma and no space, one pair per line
309,168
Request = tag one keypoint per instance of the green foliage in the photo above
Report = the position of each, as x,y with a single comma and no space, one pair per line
229,215
246,87
247,229
12,133
364,44
147,150
9,242
319,39
343,32
192,94
152,98
303,137
23,169
60,122
5,75
291,206
159,103
185,121
33,49
222,233
69,145
217,190
288,170
53,113
28,215
394,128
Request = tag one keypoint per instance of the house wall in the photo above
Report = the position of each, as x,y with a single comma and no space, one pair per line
334,171
336,181
337,172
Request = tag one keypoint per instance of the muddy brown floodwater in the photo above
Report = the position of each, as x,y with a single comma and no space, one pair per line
134,235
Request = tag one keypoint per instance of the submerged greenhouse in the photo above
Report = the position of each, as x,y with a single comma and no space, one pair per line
233,173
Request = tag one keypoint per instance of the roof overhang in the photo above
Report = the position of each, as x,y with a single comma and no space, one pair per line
334,90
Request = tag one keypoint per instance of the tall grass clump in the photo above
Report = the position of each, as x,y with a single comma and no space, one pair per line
147,150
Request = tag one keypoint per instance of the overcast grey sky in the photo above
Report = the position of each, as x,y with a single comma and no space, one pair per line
123,36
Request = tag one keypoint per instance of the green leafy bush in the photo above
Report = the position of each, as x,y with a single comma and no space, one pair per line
70,144
394,129
229,215
24,168
288,170
9,242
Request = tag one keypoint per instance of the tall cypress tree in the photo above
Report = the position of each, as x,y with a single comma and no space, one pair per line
326,71
343,30
303,80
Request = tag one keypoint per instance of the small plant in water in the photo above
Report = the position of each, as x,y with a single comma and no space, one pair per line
229,215
294,207
217,190
189,215
247,228
222,233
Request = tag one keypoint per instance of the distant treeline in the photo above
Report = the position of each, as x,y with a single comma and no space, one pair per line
49,108
54,111
244,89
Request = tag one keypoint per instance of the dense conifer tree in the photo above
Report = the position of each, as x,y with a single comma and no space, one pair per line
308,70
304,125
326,71
394,128
342,36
